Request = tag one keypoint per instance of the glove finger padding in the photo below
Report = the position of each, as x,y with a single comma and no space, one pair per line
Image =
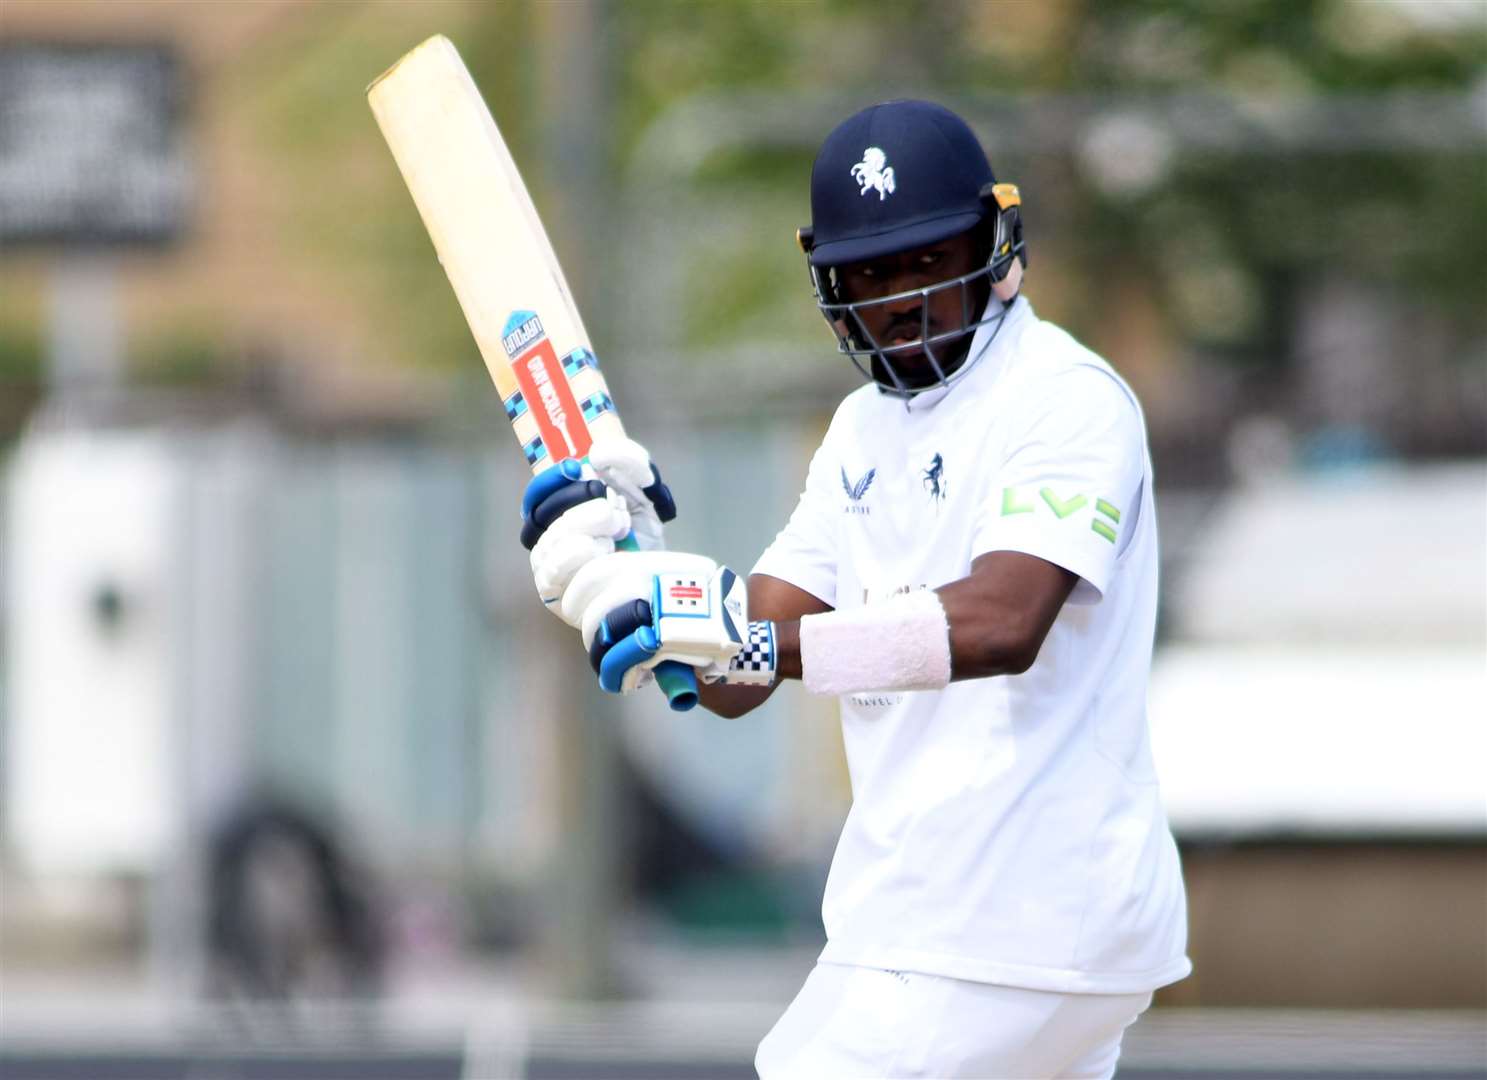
625,466
619,623
560,557
582,534
622,644
571,495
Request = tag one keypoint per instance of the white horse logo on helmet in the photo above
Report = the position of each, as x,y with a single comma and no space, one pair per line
871,173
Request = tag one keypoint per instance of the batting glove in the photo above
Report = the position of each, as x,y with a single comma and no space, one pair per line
576,511
626,467
569,518
639,609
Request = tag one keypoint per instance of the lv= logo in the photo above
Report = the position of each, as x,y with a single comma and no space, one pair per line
1103,515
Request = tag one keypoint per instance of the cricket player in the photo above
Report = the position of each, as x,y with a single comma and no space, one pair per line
972,570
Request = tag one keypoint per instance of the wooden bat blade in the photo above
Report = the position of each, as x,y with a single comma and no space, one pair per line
495,252
505,275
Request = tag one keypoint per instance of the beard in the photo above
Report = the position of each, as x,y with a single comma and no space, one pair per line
913,367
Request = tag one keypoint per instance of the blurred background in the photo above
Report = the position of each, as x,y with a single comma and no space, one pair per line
298,780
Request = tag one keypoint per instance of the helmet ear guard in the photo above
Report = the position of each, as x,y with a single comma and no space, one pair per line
1008,255
824,279
1007,289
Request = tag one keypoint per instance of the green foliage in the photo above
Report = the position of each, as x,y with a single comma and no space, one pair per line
346,216
1222,234
753,168
1329,45
183,354
667,50
1221,238
20,353
753,287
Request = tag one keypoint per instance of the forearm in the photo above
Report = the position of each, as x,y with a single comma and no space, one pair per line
991,622
990,633
732,701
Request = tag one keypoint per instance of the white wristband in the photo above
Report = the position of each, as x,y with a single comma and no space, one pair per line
902,643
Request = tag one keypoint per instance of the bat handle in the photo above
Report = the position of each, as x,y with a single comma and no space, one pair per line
677,681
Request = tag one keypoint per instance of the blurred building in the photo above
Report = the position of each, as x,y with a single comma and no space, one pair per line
1317,724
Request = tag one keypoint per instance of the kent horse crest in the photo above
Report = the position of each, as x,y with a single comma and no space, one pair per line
934,478
874,173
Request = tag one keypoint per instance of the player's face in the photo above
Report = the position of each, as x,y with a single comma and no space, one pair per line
901,321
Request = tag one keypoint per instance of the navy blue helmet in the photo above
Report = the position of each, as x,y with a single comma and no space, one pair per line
891,178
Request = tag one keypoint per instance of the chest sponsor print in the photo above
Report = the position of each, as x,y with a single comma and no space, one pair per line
857,491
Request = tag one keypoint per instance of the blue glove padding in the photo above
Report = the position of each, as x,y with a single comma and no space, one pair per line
551,494
567,484
627,636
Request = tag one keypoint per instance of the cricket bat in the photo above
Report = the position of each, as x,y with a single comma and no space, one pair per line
501,264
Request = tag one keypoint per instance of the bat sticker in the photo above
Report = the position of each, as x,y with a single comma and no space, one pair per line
544,387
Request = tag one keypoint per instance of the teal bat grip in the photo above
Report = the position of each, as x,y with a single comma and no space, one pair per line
677,681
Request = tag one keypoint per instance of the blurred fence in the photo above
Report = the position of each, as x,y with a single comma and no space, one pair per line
223,617
703,1041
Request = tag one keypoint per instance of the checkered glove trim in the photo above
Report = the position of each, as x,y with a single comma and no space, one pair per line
754,664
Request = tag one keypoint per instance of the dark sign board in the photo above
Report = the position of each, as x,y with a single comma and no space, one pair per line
92,145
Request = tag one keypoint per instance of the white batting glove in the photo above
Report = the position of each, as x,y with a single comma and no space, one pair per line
640,609
569,517
625,466
579,536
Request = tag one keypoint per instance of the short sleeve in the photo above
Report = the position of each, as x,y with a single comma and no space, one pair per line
806,550
1069,486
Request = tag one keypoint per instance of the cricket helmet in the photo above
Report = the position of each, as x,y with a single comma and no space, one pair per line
891,178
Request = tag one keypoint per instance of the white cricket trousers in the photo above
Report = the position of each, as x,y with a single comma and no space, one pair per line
865,1022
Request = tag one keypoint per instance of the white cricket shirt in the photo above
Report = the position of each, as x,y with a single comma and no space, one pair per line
1005,830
